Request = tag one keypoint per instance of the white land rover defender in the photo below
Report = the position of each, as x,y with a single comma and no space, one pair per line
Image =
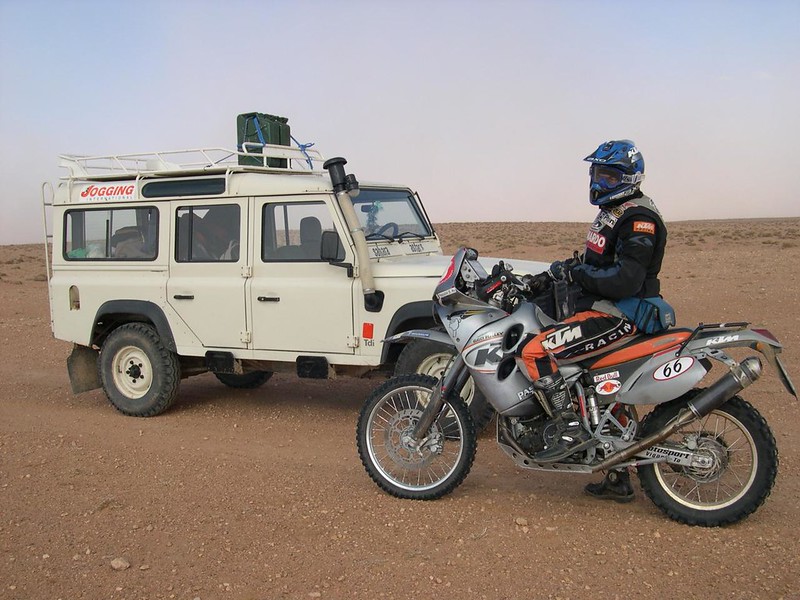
171,264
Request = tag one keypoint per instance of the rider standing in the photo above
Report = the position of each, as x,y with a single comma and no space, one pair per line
622,259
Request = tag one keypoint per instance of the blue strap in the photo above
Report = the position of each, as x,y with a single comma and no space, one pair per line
258,131
303,148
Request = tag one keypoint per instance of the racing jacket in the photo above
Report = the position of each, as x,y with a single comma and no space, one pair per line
624,249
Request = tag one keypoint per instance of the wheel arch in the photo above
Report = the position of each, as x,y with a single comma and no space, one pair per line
414,315
114,313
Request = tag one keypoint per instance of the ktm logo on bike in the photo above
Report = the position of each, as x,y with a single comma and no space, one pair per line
561,337
487,354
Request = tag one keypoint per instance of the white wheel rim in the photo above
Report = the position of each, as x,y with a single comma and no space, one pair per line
727,486
133,373
391,419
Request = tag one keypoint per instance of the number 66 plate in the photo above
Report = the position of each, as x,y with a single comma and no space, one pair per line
673,369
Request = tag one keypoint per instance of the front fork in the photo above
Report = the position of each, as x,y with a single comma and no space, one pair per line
451,383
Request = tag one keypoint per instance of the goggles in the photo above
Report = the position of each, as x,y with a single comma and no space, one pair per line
608,178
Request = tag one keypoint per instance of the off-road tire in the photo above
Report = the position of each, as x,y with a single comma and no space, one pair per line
756,440
394,402
429,358
140,376
244,381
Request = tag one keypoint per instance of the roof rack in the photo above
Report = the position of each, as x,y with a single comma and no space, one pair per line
197,161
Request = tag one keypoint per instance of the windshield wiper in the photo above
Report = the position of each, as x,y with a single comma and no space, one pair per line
416,235
376,236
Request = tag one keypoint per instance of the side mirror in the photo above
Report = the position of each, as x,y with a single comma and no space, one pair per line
332,249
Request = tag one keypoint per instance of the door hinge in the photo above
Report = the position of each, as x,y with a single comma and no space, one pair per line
247,271
245,337
353,341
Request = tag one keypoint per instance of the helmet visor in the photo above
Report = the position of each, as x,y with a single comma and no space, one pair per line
606,177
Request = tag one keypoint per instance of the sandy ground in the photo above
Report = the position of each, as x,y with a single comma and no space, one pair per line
260,494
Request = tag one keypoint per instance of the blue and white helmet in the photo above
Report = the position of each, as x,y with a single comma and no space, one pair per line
617,171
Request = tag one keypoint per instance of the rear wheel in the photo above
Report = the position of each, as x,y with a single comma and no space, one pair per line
248,381
139,374
434,358
742,471
388,452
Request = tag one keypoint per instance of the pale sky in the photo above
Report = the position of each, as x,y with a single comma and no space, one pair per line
486,108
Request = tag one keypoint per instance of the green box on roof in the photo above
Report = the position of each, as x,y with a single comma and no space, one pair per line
260,128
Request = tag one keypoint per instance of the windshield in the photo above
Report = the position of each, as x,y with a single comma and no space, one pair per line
390,214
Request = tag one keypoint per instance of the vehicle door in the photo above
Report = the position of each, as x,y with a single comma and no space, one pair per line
299,302
208,270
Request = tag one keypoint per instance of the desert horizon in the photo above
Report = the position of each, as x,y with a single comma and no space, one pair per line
239,492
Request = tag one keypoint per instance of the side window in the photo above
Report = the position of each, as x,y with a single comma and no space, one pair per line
207,233
111,234
293,231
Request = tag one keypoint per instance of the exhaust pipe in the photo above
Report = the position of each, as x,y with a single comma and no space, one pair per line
727,386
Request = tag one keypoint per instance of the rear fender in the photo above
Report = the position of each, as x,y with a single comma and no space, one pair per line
760,340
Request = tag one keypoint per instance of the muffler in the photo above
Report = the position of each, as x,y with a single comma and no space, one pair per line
722,390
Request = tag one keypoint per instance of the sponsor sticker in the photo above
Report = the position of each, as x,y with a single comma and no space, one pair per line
561,337
606,376
644,227
109,192
723,339
608,387
484,357
596,242
606,218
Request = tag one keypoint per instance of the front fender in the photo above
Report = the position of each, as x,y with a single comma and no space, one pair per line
420,334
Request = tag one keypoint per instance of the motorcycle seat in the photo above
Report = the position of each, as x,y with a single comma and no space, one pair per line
639,346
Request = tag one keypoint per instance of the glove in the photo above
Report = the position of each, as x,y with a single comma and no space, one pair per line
577,259
501,267
561,270
537,283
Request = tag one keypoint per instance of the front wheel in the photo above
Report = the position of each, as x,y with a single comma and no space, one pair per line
434,359
744,464
394,460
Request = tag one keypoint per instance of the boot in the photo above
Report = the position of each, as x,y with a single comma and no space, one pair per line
615,486
570,436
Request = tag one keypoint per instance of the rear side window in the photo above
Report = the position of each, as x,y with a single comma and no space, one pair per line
111,234
207,233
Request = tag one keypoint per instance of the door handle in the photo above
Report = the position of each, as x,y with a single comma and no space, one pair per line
184,296
269,299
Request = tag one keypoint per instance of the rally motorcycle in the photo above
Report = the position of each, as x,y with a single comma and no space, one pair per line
704,456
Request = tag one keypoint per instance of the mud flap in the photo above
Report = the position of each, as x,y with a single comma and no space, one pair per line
82,369
784,377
